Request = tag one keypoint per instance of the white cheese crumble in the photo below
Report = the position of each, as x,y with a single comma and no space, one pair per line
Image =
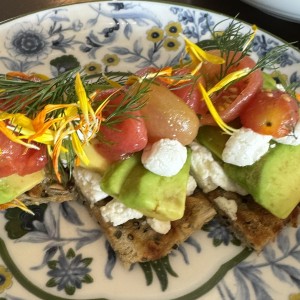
191,186
159,226
89,184
117,213
228,206
208,173
165,157
245,147
291,139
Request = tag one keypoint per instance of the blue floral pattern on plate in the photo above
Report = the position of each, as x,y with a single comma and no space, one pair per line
60,252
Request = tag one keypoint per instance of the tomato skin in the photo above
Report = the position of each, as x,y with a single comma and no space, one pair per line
167,116
17,159
239,93
189,92
123,138
272,113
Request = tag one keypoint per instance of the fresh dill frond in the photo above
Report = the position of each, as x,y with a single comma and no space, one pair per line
20,95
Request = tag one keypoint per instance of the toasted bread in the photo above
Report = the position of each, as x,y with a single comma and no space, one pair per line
135,241
254,225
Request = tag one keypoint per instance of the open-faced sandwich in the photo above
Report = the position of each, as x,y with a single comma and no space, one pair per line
156,154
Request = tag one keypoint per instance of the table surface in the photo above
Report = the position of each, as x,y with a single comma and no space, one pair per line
289,31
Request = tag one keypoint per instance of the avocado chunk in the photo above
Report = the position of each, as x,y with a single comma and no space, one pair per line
156,196
97,162
273,181
117,173
15,185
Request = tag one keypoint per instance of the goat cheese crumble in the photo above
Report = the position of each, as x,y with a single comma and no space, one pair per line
88,182
159,226
228,206
165,157
245,147
191,186
117,213
208,173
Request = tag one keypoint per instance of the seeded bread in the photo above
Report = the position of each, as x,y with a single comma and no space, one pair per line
46,192
254,225
135,241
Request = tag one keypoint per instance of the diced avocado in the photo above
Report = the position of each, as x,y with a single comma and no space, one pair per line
156,196
117,173
14,185
273,181
96,162
213,139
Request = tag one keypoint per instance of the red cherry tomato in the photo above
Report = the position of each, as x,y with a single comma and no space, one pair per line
17,159
273,113
189,92
125,136
231,101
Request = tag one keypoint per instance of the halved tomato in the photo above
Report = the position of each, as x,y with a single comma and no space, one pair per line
231,101
125,134
17,159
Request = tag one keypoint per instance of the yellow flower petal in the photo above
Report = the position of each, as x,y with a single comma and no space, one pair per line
199,55
226,128
78,148
229,78
16,203
82,97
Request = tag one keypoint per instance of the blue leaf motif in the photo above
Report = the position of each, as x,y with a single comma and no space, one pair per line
243,290
70,214
137,47
132,59
50,222
128,30
283,243
144,64
87,237
184,254
296,254
39,226
269,253
293,272
120,50
34,237
111,260
11,64
280,274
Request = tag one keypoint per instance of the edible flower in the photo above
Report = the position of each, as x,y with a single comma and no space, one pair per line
75,122
229,78
198,55
226,128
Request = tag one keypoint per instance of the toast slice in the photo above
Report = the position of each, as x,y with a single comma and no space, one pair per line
254,225
135,241
46,192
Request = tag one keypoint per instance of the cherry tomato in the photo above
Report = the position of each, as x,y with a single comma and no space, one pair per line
189,92
167,116
273,113
232,100
17,159
124,136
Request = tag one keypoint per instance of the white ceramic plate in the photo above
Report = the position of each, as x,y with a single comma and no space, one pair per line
60,253
288,10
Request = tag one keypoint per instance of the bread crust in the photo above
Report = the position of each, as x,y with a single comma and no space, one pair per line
135,241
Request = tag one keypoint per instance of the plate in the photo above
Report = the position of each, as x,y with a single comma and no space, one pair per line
287,10
60,253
